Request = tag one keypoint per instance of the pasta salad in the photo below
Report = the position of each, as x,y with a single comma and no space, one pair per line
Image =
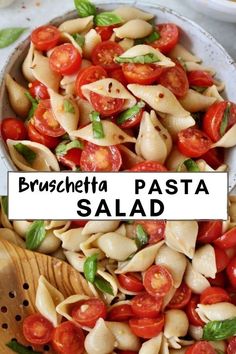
114,91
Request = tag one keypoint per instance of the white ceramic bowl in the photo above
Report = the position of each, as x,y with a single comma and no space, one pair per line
193,37
223,10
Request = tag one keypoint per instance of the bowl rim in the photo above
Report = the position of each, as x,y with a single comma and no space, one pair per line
224,4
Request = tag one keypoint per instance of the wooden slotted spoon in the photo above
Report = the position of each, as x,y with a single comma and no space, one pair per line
19,273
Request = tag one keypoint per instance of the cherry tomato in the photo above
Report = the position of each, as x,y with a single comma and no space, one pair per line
181,298
157,280
209,231
200,78
169,36
231,349
175,79
68,339
38,90
87,76
104,54
106,105
147,327
145,305
214,157
143,74
202,347
78,223
65,59
148,166
227,240
13,128
193,317
37,329
213,118
213,295
192,142
71,159
132,122
96,158
45,37
40,138
120,313
222,259
45,122
118,75
219,280
231,272
154,228
130,282
105,32
87,312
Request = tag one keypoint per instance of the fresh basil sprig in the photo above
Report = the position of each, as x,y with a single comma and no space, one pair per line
141,236
107,19
28,154
130,113
65,146
225,120
219,330
103,285
80,40
10,35
154,36
85,8
68,107
34,105
191,165
90,268
4,200
35,235
20,349
148,58
98,132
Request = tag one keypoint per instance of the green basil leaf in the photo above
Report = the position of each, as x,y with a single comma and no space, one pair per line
68,107
35,235
34,105
28,154
141,236
65,146
154,36
225,120
5,204
219,330
130,113
191,166
90,268
107,19
79,39
85,8
98,132
198,88
103,285
20,349
10,35
140,59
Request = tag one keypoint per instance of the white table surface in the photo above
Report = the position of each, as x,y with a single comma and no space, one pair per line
32,13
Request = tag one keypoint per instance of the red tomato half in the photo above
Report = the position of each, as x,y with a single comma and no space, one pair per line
209,231
96,158
71,159
181,298
13,128
231,272
219,280
214,157
169,36
202,347
106,105
147,327
105,32
120,313
87,76
175,79
148,166
38,137
104,54
143,74
145,305
155,229
45,37
65,59
38,90
37,329
231,349
192,142
213,295
200,78
222,259
68,339
130,282
193,317
132,122
118,75
227,240
157,280
78,223
87,312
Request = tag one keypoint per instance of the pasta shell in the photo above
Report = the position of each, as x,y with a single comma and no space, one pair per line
11,236
216,312
77,25
18,100
196,332
50,243
76,260
176,323
175,159
204,261
65,306
125,339
56,224
168,297
175,124
45,160
121,230
219,345
164,346
151,346
193,66
129,158
113,282
228,139
126,43
92,38
194,101
94,226
220,85
100,339
178,351
85,108
67,38
180,52
213,92
195,281
128,13
27,64
21,227
71,239
89,247
47,298
134,29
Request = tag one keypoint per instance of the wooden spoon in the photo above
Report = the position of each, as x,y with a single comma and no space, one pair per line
19,273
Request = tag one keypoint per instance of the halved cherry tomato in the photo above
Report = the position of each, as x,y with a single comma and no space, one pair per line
147,327
87,312
181,298
78,223
145,305
45,122
200,78
219,280
38,90
40,138
157,280
214,116
130,282
87,76
45,37
96,158
68,339
175,79
143,74
214,157
71,159
169,36
148,166
193,317
118,75
222,259
231,349
120,313
105,32
209,231
104,54
227,240
65,59
231,272
154,228
213,295
37,329
202,347
13,128
132,122
106,105
192,142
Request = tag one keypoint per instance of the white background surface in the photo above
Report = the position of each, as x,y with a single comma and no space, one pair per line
31,13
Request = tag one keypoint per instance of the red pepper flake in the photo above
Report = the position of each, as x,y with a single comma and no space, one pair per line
161,95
